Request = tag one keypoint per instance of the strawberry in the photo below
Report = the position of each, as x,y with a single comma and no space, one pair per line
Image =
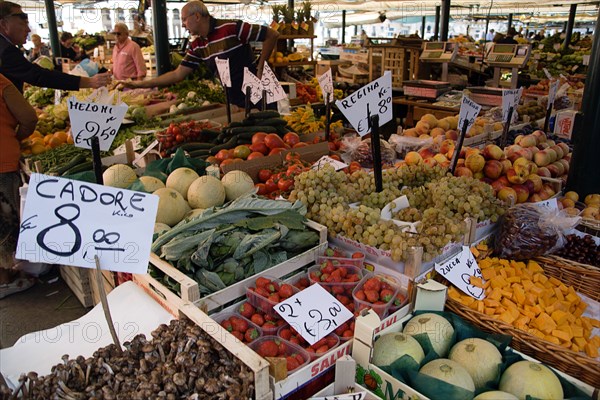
324,277
292,363
372,284
272,317
251,334
274,298
372,295
327,267
262,282
399,300
269,326
322,350
285,334
338,290
246,309
239,324
282,349
348,333
257,319
315,276
227,325
386,295
286,291
360,295
295,340
345,300
358,254
239,336
329,252
268,348
300,359
352,278
262,291
302,283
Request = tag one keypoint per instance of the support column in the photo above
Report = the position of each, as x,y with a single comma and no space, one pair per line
570,25
487,27
161,35
423,22
52,28
343,26
436,24
583,173
445,20
510,17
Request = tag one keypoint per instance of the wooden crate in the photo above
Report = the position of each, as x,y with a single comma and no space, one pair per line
79,282
108,280
190,291
150,62
394,59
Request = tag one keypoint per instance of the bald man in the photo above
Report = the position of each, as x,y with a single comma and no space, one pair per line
225,39
127,58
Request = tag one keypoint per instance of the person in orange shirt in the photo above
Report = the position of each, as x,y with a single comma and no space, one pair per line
127,58
17,121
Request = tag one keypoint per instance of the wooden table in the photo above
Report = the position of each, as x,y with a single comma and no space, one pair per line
416,108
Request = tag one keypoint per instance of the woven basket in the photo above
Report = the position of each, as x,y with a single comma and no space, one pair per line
589,226
584,278
577,365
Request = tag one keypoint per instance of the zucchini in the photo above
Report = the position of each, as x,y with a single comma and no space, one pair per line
264,114
274,122
74,161
253,129
81,167
235,124
244,136
200,152
210,133
191,146
227,145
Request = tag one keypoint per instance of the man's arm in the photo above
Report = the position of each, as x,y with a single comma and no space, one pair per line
267,48
21,110
167,79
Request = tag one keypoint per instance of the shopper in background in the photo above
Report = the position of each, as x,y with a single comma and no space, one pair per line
14,28
17,122
39,48
490,35
510,37
127,58
140,30
226,39
68,49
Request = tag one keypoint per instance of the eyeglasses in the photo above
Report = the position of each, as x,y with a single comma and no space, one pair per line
117,33
21,15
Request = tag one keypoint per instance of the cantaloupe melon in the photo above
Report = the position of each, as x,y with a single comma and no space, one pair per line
237,183
119,176
151,184
181,179
205,192
171,206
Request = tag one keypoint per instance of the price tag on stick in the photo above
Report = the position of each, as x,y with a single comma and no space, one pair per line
252,81
374,98
313,312
510,98
224,72
69,222
459,270
552,93
270,84
469,110
326,83
90,120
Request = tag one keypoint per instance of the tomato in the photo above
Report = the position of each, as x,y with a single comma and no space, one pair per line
258,137
276,150
264,175
291,138
179,138
259,147
335,157
332,146
261,189
358,254
285,184
301,144
273,141
254,154
292,155
223,155
271,185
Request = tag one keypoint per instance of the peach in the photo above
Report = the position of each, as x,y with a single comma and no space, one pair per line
556,169
493,152
543,146
413,158
443,124
590,212
440,158
516,178
463,171
551,142
553,154
506,165
540,136
534,198
422,127
522,193
592,199
445,146
522,166
475,162
493,169
507,195
546,192
559,151
527,141
566,202
452,134
543,172
437,132
430,162
426,153
565,148
565,164
411,132
536,182
572,196
571,211
543,158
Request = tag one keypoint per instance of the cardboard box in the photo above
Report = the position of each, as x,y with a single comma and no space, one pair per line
310,153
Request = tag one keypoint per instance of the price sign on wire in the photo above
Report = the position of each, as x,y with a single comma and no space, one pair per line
313,312
552,93
348,396
326,83
510,98
255,86
469,110
69,222
92,119
331,161
271,85
459,270
224,72
373,98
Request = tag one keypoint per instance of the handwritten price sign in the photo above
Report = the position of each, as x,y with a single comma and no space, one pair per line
91,119
271,85
326,83
313,312
348,396
255,86
371,99
328,160
469,110
69,222
224,72
510,98
460,269
552,93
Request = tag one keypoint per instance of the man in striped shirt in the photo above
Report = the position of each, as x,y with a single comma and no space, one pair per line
225,39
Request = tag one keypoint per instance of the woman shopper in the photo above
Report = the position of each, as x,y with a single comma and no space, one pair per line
17,121
39,48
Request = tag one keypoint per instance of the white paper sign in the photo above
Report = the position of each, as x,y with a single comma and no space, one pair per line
510,98
57,96
255,86
547,73
224,72
469,110
347,396
271,85
313,312
326,83
459,270
552,93
328,160
374,98
586,59
550,204
91,119
69,222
